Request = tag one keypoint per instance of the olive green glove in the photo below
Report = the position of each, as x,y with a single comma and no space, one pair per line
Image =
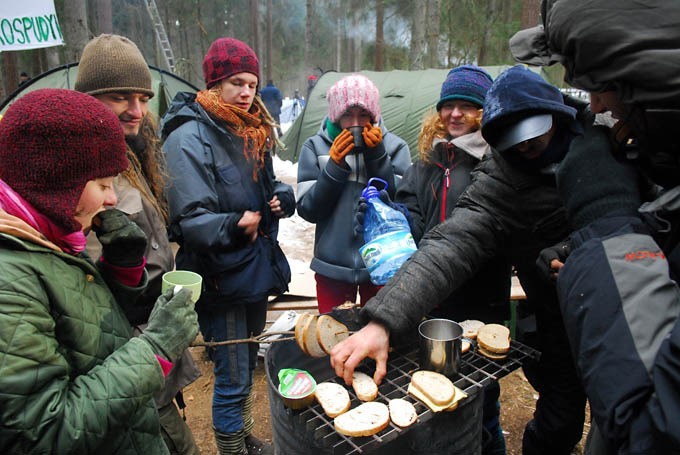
123,242
173,324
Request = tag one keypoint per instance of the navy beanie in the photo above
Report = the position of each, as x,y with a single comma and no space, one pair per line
466,82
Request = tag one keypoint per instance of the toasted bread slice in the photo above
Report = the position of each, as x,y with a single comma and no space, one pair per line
365,420
364,386
309,337
464,346
330,332
402,412
494,338
435,388
299,326
333,398
491,355
471,327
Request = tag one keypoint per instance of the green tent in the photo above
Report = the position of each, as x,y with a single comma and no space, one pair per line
163,83
405,98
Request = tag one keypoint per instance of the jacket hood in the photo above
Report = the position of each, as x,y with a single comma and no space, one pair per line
183,108
518,93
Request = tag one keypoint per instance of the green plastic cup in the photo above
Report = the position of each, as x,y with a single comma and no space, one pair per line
184,279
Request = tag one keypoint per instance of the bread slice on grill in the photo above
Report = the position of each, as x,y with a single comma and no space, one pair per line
299,327
435,387
333,398
402,412
330,332
464,346
365,420
471,327
309,337
494,339
364,386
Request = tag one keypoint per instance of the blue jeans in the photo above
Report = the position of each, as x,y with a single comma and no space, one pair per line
235,363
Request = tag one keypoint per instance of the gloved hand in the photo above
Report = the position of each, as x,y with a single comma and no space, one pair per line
372,135
593,183
342,145
550,260
173,324
123,242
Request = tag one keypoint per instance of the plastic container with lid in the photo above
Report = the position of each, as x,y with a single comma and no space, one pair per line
296,387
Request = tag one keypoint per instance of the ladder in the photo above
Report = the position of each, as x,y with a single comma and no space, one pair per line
161,36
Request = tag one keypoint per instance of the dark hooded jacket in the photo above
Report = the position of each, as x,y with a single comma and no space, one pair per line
210,188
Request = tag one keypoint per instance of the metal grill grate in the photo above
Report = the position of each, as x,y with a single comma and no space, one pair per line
476,371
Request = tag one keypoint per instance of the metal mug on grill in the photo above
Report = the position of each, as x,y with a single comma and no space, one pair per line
439,346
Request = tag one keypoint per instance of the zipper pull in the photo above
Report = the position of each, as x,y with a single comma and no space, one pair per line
447,181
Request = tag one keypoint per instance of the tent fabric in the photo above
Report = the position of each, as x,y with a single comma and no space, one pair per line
405,98
163,83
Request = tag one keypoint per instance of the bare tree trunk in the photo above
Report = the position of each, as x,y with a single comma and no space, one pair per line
418,44
530,13
255,26
308,32
379,34
433,11
75,28
339,33
10,75
356,40
482,56
270,60
52,57
104,17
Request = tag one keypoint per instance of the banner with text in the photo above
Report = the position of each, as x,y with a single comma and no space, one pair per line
29,24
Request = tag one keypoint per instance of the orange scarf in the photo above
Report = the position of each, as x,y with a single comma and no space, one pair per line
246,125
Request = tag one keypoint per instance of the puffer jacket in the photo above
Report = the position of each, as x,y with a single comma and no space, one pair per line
211,186
430,190
72,380
328,195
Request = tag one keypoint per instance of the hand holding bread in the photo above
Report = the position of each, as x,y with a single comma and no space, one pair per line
372,341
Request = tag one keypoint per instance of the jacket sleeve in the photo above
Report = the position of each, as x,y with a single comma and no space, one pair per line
448,255
621,309
407,194
389,160
43,405
320,181
192,195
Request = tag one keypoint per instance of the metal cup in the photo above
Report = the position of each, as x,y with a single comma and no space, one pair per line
356,133
440,344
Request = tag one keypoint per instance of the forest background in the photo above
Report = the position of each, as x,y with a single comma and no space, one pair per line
293,38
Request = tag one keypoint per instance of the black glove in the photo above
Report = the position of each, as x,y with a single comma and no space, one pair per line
384,196
123,242
593,183
173,324
559,251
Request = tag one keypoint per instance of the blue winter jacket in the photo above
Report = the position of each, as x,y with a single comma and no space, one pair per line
211,186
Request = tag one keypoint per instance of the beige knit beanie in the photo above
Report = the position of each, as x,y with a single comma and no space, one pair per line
112,63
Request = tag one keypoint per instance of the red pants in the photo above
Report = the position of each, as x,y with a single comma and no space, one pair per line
331,293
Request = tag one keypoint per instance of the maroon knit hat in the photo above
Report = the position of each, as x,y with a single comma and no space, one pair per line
52,142
226,57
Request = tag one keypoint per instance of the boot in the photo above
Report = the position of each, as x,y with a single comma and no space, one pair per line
231,443
254,446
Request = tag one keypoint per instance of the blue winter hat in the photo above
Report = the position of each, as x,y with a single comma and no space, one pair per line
466,82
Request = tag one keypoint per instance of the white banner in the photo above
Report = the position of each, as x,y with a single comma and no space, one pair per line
29,24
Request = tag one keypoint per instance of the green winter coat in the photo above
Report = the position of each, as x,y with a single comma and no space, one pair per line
72,378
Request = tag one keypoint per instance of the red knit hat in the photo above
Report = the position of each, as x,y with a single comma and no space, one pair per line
52,142
353,90
226,57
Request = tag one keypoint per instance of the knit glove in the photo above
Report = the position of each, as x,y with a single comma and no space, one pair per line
173,324
559,251
372,135
342,145
592,183
362,205
123,242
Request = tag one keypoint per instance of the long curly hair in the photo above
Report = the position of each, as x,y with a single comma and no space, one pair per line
433,128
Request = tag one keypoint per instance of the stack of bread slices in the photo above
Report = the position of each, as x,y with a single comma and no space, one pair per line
435,390
493,341
317,335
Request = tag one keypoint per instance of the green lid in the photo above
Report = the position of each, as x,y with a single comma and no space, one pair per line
294,383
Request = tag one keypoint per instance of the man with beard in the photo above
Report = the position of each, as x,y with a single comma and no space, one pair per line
618,289
113,70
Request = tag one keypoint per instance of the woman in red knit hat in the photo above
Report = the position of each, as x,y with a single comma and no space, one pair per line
72,378
225,206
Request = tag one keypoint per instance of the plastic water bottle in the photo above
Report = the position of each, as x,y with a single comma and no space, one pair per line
387,236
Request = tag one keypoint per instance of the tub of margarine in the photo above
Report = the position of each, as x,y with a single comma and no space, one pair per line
296,387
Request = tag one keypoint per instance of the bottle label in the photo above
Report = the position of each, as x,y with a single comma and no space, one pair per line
386,253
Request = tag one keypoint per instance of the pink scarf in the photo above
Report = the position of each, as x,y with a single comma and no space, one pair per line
12,203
